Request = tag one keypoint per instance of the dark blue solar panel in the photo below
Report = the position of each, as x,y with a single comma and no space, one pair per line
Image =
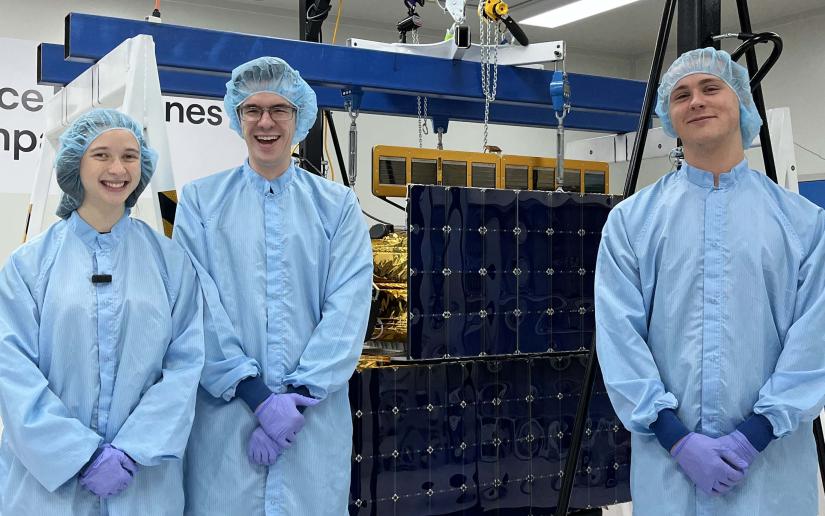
481,437
501,271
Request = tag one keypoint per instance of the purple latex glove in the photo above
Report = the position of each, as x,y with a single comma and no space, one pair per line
262,450
280,418
736,444
714,470
110,473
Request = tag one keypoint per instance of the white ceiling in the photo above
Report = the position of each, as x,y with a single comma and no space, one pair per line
628,31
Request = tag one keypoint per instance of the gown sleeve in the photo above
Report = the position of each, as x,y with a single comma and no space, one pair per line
158,428
631,376
51,444
226,362
332,352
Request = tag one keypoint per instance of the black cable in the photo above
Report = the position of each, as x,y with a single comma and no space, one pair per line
750,41
375,218
393,204
303,162
316,13
322,15
337,145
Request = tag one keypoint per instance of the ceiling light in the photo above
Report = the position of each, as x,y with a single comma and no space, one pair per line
574,12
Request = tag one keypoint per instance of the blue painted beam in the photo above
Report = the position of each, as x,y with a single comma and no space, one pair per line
53,69
89,37
814,191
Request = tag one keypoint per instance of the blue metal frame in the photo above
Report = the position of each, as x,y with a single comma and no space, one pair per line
814,191
89,37
54,69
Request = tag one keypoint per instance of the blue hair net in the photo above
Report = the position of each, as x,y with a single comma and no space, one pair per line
271,75
717,63
73,144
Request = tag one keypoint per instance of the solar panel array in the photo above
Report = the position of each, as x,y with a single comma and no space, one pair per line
499,272
501,316
478,437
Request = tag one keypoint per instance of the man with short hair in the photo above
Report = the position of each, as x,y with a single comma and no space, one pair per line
286,266
710,296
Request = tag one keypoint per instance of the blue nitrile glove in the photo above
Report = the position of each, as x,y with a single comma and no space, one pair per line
709,465
262,450
280,418
736,443
110,471
254,391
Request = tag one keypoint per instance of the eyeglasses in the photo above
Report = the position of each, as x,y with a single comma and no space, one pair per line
278,113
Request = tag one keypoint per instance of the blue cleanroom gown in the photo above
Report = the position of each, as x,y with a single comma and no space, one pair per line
82,364
287,273
711,300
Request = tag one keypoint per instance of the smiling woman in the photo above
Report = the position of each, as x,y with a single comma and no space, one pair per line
101,327
103,145
109,173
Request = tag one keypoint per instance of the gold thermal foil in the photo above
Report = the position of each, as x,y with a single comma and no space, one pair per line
390,259
390,278
391,324
371,361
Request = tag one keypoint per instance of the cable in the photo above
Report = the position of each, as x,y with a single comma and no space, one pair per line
375,218
304,162
155,13
393,204
337,20
337,144
314,15
326,124
326,153
818,155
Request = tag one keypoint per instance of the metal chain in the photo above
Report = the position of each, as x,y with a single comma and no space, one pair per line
490,35
422,118
422,122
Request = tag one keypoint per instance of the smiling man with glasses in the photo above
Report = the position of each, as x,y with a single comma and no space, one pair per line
285,261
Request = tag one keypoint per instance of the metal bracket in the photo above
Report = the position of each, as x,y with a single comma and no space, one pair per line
352,99
514,55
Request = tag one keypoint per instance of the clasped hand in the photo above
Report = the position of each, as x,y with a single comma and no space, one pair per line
280,421
714,465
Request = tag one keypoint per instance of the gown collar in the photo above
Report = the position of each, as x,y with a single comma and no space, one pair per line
704,178
263,185
90,235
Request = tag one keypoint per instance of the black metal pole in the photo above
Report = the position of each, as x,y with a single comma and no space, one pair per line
758,99
569,474
697,21
650,96
819,438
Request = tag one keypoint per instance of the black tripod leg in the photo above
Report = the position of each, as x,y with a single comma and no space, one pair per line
758,99
819,438
572,461
650,97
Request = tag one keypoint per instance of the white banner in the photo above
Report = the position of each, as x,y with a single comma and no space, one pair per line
200,139
21,115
